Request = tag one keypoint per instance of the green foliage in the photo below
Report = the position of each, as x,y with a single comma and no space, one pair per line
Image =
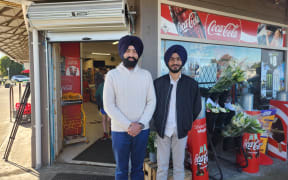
151,142
14,67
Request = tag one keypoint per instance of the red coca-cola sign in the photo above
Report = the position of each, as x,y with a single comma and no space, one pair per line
180,21
223,28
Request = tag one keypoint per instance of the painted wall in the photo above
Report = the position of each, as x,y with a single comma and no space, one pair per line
148,22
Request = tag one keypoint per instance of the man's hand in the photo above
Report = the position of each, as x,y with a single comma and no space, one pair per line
134,129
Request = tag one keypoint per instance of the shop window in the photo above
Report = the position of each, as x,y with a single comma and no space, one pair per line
264,68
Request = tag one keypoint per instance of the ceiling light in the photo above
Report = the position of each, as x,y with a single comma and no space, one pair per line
116,42
102,54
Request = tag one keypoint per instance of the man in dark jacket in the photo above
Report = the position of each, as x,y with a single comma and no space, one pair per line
178,105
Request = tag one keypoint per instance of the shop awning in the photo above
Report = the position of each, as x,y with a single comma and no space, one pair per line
97,15
13,32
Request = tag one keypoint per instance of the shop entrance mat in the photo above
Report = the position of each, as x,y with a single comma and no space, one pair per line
66,176
100,152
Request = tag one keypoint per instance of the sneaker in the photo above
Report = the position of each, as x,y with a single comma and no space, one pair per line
105,136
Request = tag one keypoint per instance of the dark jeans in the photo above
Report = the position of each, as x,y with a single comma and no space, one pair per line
125,146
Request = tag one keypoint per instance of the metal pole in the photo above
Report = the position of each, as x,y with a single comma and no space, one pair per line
20,92
37,103
11,100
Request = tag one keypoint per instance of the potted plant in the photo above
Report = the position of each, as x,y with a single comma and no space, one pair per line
151,146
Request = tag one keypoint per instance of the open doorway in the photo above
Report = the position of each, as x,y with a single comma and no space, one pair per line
80,68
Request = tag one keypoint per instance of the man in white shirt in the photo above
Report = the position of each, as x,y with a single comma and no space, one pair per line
129,99
178,105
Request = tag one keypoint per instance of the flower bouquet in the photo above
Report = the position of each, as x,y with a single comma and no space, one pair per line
242,123
231,75
215,109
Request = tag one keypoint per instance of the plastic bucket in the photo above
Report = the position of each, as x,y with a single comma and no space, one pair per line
251,145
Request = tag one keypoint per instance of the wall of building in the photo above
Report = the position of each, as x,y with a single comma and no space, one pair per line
147,19
44,103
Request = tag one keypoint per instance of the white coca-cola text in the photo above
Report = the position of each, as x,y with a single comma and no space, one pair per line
189,23
202,159
252,145
229,30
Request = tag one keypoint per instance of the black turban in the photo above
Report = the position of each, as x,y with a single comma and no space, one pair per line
180,50
126,41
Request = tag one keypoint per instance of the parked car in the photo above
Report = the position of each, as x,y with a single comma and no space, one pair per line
20,78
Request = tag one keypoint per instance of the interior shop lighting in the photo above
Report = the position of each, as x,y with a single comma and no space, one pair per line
103,54
115,42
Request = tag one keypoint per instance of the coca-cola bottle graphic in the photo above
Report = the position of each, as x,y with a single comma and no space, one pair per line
202,161
199,172
187,22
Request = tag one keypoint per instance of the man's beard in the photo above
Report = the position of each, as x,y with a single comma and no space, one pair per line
130,64
175,70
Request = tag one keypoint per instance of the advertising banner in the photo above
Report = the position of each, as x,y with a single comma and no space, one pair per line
277,140
272,73
266,119
71,83
70,79
179,21
197,146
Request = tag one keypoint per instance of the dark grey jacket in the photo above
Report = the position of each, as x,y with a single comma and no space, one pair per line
188,104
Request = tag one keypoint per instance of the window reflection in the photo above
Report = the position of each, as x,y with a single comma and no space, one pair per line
264,68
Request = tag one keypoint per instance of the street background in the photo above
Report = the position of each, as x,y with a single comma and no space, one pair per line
19,161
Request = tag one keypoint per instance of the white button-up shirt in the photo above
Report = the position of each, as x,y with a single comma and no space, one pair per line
171,124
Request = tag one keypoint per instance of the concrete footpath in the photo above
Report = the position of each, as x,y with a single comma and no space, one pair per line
19,165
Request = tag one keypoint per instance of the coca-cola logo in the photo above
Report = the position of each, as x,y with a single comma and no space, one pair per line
252,145
229,30
223,28
199,126
189,23
201,130
201,159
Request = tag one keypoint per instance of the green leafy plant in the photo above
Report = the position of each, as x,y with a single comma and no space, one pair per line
151,147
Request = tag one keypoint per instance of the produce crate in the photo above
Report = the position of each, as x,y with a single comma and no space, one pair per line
150,170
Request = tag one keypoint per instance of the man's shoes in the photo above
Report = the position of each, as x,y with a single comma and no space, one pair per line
105,137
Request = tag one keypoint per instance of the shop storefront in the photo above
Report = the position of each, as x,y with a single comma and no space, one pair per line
74,48
213,41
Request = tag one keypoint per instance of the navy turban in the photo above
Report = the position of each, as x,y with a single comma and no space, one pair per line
126,41
180,50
